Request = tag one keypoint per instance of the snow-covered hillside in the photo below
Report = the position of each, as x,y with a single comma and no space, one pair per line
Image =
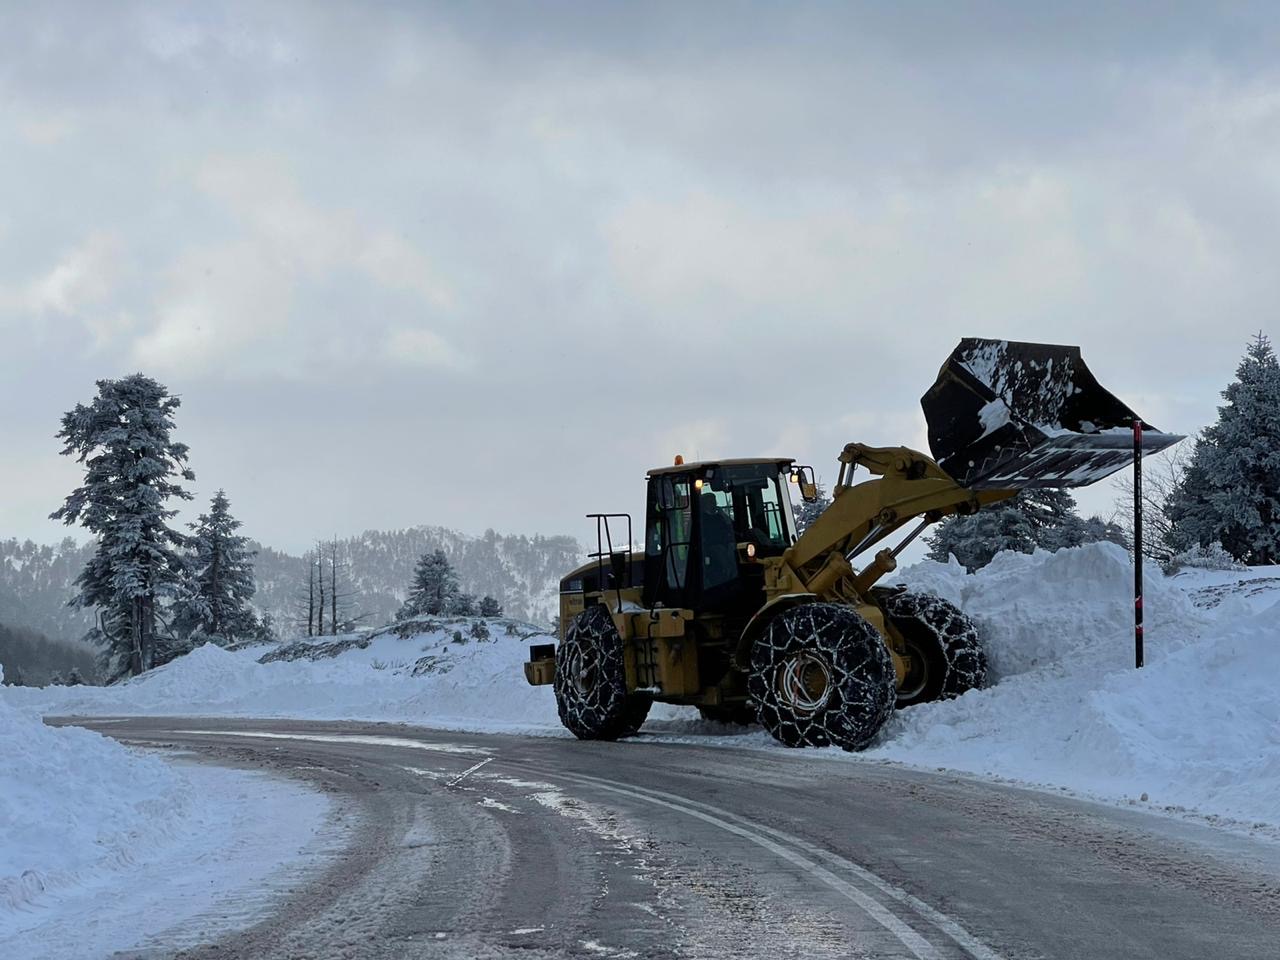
1198,728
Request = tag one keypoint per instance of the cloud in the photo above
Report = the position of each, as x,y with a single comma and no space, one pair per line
45,130
422,348
661,230
221,304
239,306
83,277
393,262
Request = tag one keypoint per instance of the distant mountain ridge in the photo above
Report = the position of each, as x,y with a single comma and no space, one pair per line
521,572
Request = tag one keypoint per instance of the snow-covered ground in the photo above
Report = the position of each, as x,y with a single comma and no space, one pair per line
1198,728
93,834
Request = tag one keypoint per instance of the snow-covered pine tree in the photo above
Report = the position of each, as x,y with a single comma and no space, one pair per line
217,604
1041,518
806,512
462,605
132,469
434,588
489,607
1230,490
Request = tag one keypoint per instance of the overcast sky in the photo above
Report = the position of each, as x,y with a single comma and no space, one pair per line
483,265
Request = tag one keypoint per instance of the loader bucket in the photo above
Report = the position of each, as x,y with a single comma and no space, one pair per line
1007,415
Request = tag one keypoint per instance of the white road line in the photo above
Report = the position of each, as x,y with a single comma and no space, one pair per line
748,830
904,934
344,738
467,772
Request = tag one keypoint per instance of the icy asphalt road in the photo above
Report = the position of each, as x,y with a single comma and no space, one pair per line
477,846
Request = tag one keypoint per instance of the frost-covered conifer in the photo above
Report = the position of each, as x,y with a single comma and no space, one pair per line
806,513
489,607
221,586
1044,519
463,605
1230,491
132,469
434,589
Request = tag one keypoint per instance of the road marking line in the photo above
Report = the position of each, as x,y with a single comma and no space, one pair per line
905,935
343,738
962,937
948,925
467,772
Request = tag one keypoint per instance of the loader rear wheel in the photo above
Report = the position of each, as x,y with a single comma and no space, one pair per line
591,681
821,675
947,656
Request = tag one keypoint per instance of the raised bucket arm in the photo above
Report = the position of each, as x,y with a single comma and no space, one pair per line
1010,415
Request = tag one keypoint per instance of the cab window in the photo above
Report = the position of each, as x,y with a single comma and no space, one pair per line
670,529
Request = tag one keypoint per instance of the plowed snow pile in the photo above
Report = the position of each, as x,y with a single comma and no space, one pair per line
75,805
1198,727
440,671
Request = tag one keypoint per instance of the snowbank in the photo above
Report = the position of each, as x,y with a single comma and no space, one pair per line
86,821
1198,728
75,805
412,677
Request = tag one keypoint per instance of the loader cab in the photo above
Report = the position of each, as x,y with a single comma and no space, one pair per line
707,525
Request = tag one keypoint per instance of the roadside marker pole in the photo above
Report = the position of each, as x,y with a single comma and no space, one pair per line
1137,543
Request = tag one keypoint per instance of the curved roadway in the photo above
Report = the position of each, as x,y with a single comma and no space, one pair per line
474,846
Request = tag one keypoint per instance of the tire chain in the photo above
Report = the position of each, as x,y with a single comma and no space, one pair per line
603,710
956,633
861,695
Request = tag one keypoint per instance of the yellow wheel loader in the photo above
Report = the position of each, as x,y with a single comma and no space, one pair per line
728,609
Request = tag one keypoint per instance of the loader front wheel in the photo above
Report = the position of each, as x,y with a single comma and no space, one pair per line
821,675
947,655
591,682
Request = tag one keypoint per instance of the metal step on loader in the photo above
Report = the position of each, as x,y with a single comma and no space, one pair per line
729,610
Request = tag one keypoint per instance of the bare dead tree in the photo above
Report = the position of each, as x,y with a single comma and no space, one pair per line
1161,475
343,617
311,598
333,585
319,564
305,599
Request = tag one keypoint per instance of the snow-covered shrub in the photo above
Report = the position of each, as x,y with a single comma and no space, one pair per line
1212,557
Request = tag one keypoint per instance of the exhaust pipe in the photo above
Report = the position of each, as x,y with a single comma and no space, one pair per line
1007,415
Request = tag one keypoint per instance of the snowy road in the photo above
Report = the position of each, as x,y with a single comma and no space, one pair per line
474,846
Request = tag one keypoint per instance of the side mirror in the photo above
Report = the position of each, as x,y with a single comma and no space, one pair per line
803,478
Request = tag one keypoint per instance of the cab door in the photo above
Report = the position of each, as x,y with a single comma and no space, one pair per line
670,540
